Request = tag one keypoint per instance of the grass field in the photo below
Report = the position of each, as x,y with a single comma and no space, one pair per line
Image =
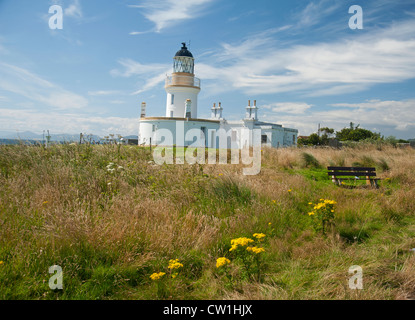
111,219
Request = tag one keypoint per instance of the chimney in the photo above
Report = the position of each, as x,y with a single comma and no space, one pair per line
143,110
255,111
219,115
213,114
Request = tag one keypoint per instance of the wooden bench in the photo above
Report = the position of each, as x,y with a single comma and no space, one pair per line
358,173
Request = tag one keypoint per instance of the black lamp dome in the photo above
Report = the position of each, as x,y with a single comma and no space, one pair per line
183,52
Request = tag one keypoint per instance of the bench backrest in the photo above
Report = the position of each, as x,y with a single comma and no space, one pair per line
352,171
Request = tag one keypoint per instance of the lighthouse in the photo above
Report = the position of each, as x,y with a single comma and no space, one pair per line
182,86
181,126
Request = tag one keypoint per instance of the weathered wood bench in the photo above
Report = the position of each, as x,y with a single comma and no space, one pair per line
339,174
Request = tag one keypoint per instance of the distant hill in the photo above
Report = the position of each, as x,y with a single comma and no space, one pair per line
61,137
28,135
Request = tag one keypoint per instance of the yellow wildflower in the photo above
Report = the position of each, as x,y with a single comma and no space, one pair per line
1,262
157,276
329,201
311,213
175,264
45,202
255,250
289,190
240,242
259,236
220,262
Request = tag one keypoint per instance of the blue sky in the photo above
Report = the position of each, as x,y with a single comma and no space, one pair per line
298,59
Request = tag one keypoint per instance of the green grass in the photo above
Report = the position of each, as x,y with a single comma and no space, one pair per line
109,231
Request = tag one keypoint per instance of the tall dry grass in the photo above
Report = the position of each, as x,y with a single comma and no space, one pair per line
110,231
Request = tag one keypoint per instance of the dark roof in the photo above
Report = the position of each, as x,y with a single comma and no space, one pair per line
183,52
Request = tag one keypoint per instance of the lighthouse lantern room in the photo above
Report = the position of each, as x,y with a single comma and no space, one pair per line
182,85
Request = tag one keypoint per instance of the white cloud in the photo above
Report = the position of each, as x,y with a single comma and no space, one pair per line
314,12
152,74
74,10
135,33
58,122
132,67
289,107
384,116
165,13
103,92
32,87
343,66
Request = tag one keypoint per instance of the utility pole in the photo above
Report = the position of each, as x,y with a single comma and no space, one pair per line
47,139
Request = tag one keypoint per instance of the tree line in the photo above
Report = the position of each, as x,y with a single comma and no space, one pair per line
352,133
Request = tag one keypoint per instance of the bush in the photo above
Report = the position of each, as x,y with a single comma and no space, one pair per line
310,161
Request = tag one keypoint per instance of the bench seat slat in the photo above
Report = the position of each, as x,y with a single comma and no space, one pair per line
361,179
351,169
357,174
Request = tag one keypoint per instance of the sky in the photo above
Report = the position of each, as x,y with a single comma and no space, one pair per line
299,59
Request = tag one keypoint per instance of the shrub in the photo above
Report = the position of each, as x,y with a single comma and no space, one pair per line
310,161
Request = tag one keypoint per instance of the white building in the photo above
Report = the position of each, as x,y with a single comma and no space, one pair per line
175,128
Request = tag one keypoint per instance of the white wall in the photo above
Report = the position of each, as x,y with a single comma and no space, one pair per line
278,137
177,130
181,94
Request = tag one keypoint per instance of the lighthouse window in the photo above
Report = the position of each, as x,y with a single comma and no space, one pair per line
172,99
264,138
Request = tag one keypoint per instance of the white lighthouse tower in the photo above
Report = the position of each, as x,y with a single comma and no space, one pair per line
182,86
